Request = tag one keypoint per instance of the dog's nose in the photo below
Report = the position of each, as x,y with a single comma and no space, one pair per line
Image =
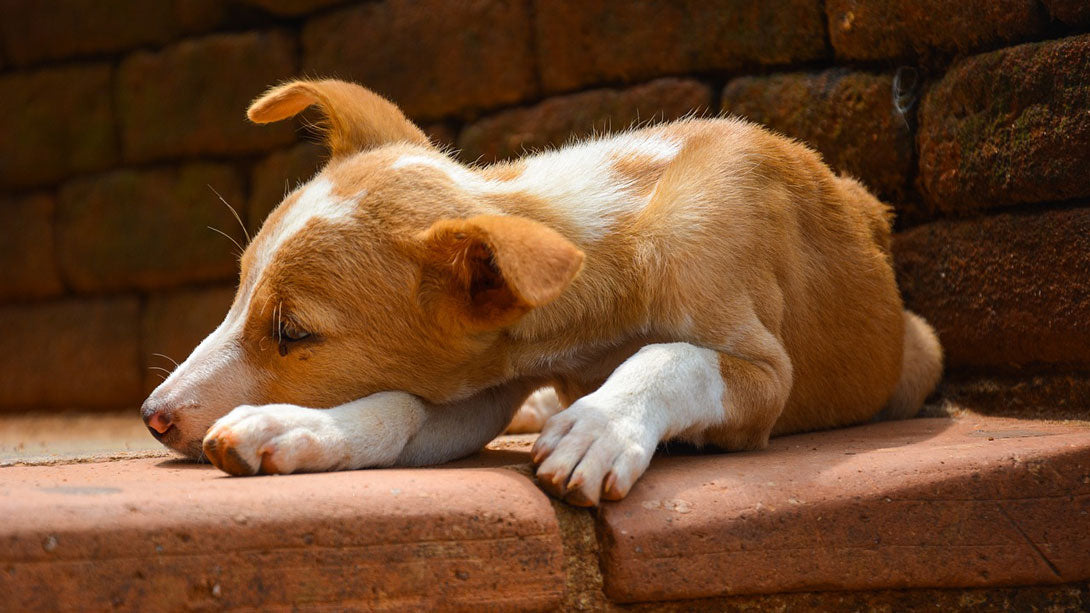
160,422
157,419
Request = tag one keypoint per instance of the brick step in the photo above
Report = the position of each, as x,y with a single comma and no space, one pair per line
836,518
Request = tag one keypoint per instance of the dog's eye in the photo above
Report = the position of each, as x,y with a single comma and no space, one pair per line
290,331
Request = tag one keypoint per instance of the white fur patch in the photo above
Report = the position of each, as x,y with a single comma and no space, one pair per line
664,391
315,202
577,180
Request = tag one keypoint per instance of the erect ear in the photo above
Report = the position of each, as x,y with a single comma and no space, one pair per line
359,119
496,268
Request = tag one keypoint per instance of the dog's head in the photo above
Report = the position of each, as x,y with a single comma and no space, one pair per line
389,270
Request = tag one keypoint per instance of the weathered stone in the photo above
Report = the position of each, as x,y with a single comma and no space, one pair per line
70,354
148,229
28,268
1071,12
170,535
42,30
847,116
1006,292
191,98
922,503
892,29
278,174
1043,396
175,322
556,120
1008,127
430,57
55,122
580,42
292,8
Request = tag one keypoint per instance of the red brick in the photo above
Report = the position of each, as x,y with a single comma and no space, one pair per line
847,116
1043,396
554,121
580,42
71,354
892,29
292,8
431,57
1071,12
190,99
932,503
1006,292
55,122
42,30
278,174
28,268
154,535
174,323
1008,127
148,229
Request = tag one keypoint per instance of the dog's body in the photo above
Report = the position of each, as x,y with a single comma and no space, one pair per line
703,280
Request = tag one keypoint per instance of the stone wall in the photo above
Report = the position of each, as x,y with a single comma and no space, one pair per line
120,117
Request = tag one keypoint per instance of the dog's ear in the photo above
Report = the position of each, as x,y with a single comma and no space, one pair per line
492,269
358,118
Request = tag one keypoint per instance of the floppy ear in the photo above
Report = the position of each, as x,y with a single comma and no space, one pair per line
495,268
359,119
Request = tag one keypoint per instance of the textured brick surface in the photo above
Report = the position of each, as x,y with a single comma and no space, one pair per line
1003,292
149,534
291,8
191,98
1008,127
148,229
431,57
922,503
37,30
278,174
847,116
1071,12
173,323
71,353
55,122
581,42
556,120
28,268
1045,396
892,29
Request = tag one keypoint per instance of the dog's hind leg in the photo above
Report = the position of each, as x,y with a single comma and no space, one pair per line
532,415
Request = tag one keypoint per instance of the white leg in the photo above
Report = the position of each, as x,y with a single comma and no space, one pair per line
383,429
604,441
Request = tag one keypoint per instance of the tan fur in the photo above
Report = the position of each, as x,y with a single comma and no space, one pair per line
445,283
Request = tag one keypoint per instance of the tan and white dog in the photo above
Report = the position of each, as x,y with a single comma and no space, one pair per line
704,280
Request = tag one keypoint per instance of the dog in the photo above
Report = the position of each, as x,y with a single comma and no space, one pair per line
704,280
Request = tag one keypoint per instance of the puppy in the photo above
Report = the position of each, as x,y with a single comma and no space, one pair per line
703,280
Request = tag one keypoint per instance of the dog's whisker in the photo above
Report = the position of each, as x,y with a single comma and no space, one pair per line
240,249
166,357
159,368
238,218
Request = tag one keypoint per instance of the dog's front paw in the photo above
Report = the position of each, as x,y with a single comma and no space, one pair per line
270,439
589,452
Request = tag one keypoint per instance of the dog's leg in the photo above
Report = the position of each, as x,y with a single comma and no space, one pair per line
600,445
380,430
